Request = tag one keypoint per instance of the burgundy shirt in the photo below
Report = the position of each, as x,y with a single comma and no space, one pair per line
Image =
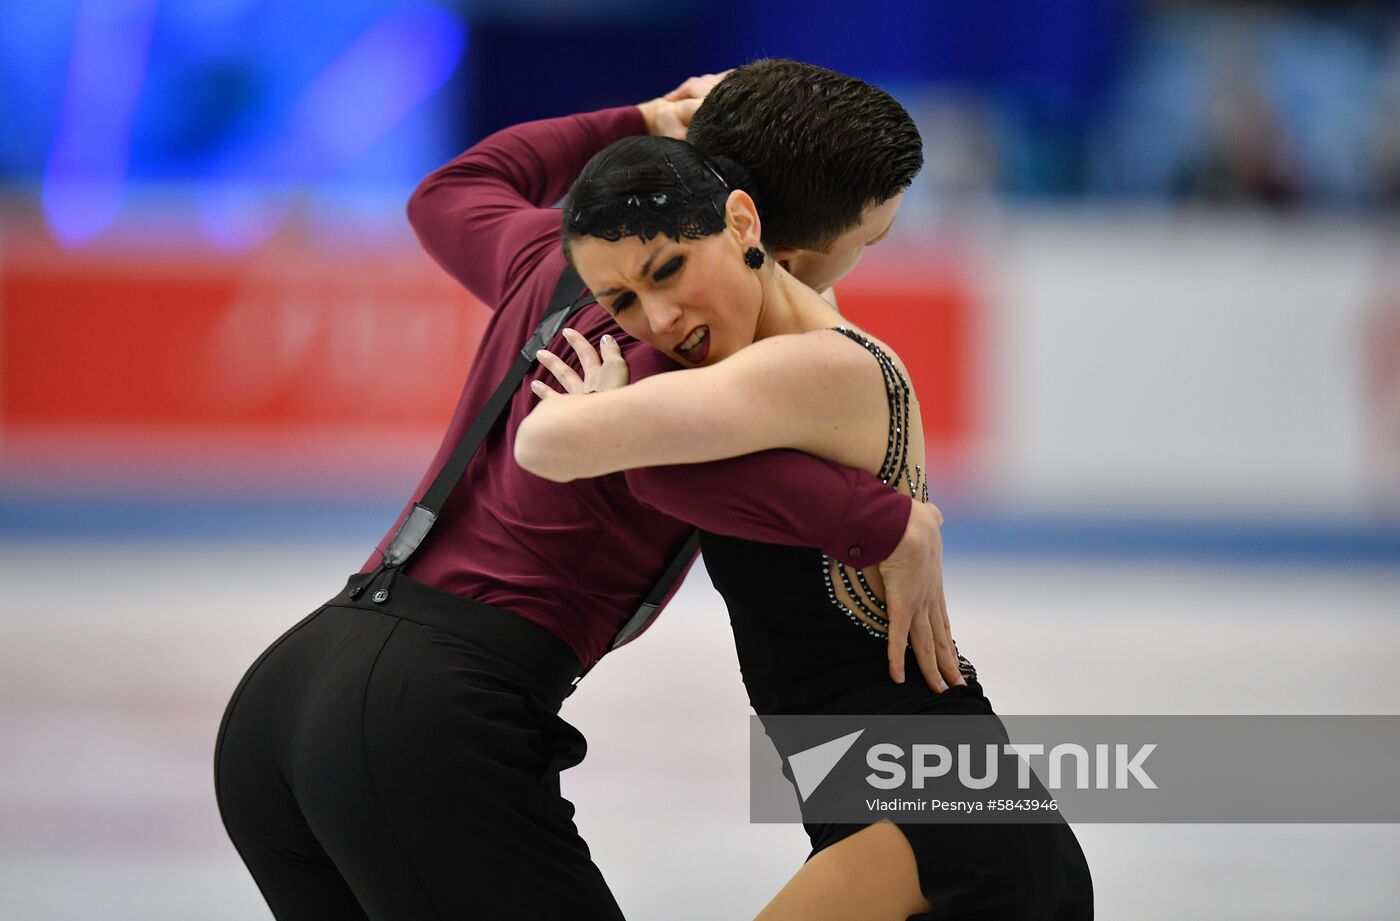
578,558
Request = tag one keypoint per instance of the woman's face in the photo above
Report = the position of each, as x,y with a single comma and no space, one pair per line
695,300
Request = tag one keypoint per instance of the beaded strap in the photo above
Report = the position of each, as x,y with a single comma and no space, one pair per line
894,469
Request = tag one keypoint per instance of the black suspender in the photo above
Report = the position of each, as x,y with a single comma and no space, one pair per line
567,300
647,612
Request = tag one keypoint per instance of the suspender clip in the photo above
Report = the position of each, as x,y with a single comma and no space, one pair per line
409,535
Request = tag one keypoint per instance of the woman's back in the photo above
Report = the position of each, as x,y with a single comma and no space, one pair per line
811,631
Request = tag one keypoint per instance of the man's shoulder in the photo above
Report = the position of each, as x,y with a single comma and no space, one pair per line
534,272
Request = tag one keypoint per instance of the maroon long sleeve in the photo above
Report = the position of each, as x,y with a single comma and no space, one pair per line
577,558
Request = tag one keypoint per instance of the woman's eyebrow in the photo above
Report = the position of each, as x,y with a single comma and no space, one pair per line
642,273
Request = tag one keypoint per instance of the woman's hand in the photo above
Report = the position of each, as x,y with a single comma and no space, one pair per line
605,371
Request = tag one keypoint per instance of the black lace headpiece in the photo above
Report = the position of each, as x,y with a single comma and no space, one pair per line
639,190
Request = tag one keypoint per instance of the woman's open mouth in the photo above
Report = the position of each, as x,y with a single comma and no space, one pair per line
696,346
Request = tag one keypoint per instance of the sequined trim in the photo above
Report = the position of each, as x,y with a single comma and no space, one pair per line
873,612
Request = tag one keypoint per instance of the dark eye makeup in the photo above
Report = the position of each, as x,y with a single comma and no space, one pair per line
669,269
626,299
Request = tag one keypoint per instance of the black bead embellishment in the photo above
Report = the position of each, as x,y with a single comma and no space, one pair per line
895,468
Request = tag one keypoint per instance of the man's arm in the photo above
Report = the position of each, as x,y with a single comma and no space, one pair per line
782,497
488,214
485,215
787,497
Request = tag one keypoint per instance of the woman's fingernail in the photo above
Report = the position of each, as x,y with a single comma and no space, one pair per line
607,338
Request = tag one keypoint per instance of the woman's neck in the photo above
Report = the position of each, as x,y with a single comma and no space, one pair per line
789,306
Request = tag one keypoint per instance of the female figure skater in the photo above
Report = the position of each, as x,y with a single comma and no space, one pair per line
668,240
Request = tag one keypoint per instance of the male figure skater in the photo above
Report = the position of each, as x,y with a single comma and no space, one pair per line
396,754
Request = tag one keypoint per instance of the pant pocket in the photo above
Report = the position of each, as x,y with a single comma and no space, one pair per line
566,744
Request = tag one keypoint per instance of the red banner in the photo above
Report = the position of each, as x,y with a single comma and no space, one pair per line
297,343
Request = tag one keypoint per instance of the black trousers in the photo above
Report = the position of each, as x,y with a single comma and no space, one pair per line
400,760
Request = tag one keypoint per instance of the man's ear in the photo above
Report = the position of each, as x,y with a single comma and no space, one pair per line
741,215
781,253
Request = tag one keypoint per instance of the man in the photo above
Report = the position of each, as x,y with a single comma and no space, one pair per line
832,156
397,753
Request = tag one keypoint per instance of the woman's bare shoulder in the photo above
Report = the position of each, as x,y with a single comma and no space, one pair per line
824,350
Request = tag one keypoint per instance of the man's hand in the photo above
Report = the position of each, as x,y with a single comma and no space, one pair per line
670,115
913,577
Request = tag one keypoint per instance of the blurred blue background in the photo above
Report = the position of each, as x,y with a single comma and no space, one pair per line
1293,104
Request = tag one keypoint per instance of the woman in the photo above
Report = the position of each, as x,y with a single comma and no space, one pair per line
670,243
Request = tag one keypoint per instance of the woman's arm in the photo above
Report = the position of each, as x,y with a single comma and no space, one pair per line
815,392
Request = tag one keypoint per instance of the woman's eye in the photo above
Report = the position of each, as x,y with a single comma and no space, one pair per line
623,302
669,269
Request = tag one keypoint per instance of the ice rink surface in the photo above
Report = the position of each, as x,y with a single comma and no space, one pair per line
116,660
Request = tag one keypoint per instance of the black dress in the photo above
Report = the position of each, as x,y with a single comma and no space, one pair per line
810,636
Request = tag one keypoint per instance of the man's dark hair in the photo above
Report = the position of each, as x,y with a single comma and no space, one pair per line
819,145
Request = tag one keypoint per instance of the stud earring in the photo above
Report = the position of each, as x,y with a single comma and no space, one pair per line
753,257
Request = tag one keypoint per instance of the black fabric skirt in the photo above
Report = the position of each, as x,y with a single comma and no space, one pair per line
973,871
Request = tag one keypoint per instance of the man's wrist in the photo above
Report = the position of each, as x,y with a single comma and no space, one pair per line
651,110
871,526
